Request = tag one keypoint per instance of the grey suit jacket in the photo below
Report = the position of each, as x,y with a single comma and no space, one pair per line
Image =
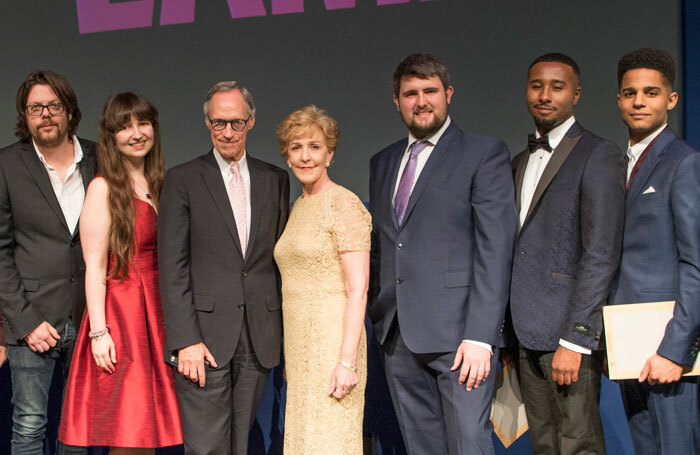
42,273
206,286
569,245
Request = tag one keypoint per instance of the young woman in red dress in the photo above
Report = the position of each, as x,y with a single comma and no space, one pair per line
120,392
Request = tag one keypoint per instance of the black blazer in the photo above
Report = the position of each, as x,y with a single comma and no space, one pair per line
568,248
205,284
42,273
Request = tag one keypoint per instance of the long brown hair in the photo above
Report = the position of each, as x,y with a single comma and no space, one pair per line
118,111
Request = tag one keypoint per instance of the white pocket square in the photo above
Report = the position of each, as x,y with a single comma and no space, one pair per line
649,190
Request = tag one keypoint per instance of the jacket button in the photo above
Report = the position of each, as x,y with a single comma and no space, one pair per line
399,246
241,306
72,244
72,278
399,280
244,274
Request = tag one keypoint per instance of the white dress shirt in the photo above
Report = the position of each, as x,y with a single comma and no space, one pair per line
636,150
420,164
422,156
225,167
536,165
533,172
69,192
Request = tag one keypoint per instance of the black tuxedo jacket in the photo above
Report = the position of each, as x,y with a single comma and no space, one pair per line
206,286
42,273
568,248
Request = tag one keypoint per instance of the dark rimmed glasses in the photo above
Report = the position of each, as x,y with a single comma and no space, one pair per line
219,124
35,110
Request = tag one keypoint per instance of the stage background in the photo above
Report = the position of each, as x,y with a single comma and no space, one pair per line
340,55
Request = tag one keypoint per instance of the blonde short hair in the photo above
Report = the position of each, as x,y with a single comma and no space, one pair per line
302,122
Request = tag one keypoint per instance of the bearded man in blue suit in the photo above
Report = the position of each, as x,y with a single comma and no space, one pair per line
444,223
660,255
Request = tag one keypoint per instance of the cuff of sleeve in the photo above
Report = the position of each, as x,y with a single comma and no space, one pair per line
574,347
480,344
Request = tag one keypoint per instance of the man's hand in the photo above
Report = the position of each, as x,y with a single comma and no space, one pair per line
660,370
43,338
476,364
190,362
565,366
3,354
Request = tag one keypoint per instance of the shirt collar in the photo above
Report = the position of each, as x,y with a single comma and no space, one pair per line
433,140
77,152
634,151
556,134
225,165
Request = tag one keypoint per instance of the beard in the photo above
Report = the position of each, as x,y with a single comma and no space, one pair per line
424,131
52,139
545,125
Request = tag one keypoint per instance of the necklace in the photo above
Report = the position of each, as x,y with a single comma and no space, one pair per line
148,195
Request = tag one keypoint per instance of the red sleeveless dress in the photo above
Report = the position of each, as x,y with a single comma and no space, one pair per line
136,405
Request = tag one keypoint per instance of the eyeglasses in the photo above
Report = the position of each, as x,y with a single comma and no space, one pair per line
35,110
219,124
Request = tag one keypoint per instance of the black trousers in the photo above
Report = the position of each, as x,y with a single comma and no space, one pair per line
562,419
217,418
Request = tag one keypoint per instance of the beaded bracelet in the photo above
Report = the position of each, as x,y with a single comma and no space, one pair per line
98,333
345,364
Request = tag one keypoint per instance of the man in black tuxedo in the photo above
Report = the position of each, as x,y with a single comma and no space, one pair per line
570,193
43,178
220,217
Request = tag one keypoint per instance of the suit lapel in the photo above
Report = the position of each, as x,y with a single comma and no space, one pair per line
519,174
257,195
650,162
559,155
394,165
42,180
437,156
87,165
211,174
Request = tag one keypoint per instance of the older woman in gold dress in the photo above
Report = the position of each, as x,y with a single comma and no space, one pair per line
323,257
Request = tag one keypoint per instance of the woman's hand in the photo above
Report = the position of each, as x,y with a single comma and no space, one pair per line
104,353
343,380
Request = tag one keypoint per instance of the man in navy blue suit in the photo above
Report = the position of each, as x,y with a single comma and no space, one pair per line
444,225
570,194
660,255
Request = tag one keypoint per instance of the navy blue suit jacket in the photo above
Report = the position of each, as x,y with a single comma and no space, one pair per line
445,271
568,248
661,249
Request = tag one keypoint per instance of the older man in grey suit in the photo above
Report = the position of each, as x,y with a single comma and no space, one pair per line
220,217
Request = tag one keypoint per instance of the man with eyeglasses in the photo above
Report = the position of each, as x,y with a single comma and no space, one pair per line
43,178
220,217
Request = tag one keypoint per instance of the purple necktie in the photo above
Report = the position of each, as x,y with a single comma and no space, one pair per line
406,182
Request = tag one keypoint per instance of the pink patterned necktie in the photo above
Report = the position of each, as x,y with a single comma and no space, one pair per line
236,196
403,193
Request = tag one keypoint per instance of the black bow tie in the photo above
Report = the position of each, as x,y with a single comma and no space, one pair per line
533,143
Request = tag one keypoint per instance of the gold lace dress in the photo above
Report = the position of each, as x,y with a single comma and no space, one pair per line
313,312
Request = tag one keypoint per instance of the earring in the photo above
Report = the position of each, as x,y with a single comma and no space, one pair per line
328,165
289,165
